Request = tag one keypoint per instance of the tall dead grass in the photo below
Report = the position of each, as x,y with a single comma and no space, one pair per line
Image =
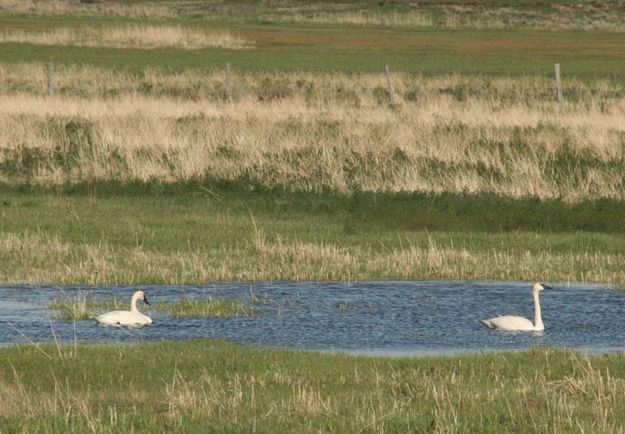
307,132
581,16
145,37
79,8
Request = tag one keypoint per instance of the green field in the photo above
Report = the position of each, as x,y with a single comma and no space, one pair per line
324,48
324,36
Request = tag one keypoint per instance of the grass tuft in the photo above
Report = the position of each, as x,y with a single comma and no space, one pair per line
211,308
81,307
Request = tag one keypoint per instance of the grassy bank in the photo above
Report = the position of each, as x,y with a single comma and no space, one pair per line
195,235
200,385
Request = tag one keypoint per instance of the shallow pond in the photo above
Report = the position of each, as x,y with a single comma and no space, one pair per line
376,318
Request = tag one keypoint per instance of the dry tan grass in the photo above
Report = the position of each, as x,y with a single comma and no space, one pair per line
79,8
460,16
361,18
145,37
306,132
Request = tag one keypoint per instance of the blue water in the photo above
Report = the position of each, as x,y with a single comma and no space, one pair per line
377,318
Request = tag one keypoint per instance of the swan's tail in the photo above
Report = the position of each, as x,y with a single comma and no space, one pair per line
487,323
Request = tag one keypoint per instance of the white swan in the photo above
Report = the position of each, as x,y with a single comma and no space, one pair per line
518,323
130,317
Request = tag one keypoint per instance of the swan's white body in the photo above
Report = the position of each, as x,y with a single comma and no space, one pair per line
130,317
518,323
512,323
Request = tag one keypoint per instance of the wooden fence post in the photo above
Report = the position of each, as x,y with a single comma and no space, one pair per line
50,81
228,84
389,85
558,82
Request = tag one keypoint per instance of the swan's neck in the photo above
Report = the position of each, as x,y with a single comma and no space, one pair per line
538,319
133,304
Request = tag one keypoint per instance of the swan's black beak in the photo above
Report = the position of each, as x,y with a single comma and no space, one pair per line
145,300
547,286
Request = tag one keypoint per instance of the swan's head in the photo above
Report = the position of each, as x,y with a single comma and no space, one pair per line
140,295
540,287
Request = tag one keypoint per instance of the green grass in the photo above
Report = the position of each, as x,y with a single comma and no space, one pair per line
327,47
195,386
176,235
211,308
81,308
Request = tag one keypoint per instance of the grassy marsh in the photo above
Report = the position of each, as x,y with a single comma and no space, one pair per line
186,386
138,171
